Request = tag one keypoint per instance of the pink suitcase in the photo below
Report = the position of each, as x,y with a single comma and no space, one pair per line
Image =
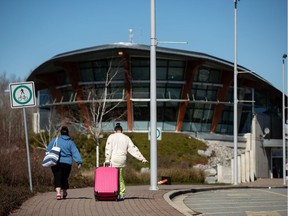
106,186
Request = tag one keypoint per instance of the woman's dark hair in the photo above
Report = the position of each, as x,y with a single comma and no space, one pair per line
118,127
64,131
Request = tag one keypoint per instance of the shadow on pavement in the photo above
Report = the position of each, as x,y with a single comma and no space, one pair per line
77,198
127,198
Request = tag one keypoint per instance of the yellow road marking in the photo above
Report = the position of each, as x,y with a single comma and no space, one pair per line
271,192
238,195
263,213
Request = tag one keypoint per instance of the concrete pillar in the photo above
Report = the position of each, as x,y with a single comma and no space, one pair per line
252,166
243,168
239,169
253,150
232,168
224,174
247,162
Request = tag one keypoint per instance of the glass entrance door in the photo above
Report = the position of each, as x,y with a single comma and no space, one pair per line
277,163
277,170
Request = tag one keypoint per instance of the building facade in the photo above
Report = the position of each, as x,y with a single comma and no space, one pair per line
194,94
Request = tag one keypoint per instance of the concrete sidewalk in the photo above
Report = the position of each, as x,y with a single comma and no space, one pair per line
139,201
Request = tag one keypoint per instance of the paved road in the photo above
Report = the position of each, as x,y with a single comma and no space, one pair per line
168,200
81,202
239,202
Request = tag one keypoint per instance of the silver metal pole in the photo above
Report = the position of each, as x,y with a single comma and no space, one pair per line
27,149
283,119
153,103
235,121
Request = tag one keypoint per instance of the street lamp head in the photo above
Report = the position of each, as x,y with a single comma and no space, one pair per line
284,56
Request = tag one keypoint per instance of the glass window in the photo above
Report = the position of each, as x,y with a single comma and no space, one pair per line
45,97
165,69
200,116
119,113
230,97
161,73
113,69
140,69
62,78
225,124
199,92
215,76
67,94
175,74
117,91
174,93
116,69
167,112
161,63
245,122
98,70
204,92
206,75
141,73
140,90
161,91
141,111
211,93
202,112
170,70
86,72
276,152
203,75
260,102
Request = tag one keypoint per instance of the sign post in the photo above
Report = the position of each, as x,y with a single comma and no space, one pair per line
23,95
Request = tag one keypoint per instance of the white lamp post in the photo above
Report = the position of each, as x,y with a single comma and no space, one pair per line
235,121
283,119
153,103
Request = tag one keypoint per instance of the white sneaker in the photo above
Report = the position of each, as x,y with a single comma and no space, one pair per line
121,198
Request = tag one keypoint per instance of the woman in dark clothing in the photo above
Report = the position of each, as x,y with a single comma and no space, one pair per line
68,153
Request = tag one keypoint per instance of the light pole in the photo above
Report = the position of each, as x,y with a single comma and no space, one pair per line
235,121
153,103
283,119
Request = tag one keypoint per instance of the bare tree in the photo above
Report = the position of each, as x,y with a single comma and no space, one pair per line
51,129
103,100
11,126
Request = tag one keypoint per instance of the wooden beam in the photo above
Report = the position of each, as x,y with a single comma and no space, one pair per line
127,70
190,72
72,71
227,79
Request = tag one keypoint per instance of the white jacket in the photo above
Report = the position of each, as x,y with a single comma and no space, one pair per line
117,147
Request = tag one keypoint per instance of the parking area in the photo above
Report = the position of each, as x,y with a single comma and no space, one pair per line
234,202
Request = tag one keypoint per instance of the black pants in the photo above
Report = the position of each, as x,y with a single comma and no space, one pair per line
61,173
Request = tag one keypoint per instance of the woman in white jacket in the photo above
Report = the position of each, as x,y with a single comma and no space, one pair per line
117,147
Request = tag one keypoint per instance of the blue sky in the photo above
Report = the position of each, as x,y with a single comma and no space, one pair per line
33,31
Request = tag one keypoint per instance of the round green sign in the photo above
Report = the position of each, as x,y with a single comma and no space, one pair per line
158,133
22,98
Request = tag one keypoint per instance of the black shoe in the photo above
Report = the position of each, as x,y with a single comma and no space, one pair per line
65,195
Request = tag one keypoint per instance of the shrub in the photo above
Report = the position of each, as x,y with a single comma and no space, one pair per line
135,177
12,197
177,153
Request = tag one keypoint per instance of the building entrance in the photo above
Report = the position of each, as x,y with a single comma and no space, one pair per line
277,170
277,163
